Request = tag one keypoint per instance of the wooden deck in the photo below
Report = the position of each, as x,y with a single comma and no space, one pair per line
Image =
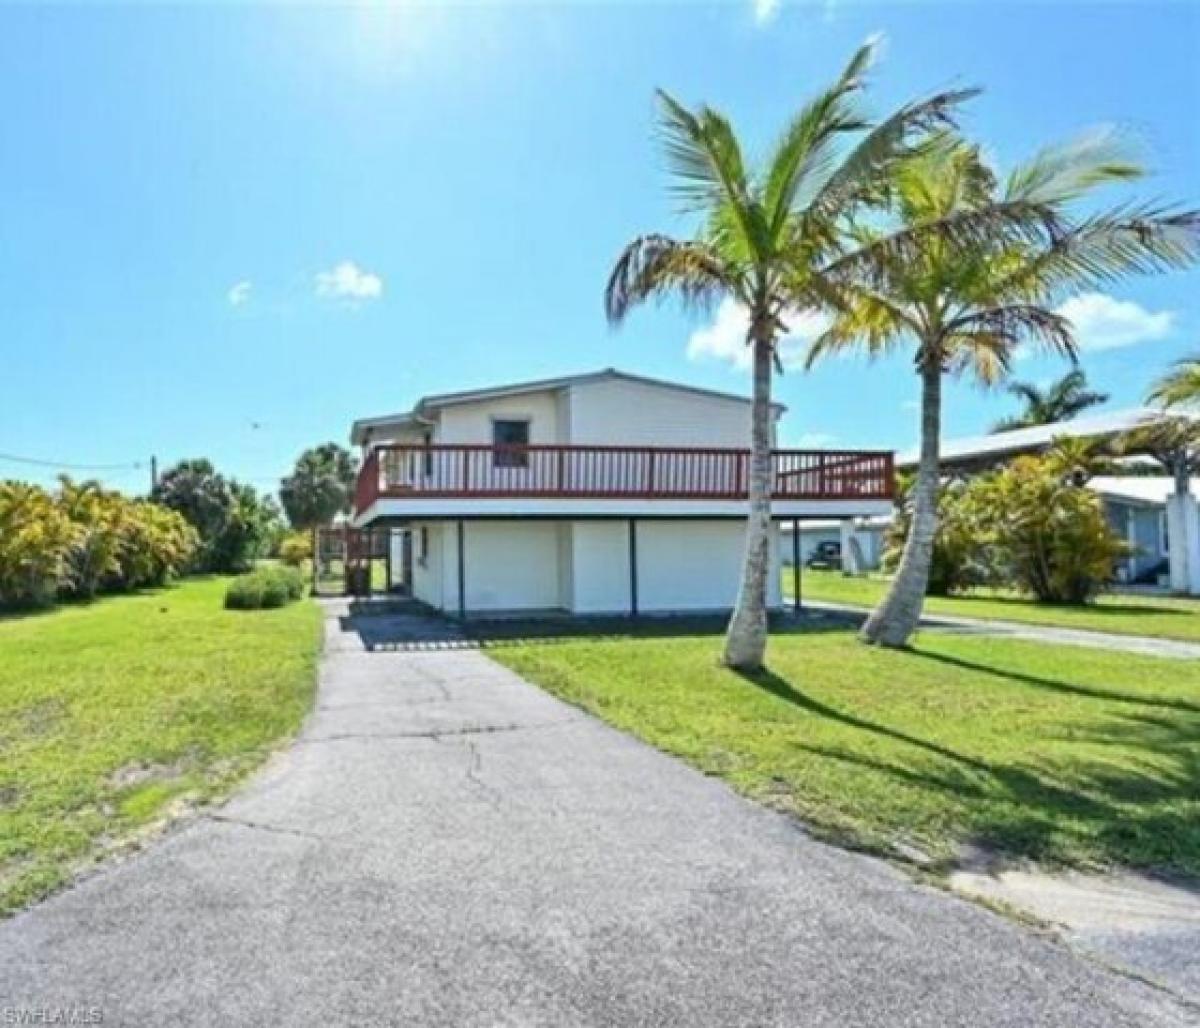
615,472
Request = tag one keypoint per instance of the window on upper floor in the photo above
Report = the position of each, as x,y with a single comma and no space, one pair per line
510,437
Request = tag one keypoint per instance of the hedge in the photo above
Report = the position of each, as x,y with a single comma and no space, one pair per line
264,588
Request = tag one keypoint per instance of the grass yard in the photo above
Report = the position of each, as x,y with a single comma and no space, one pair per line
114,714
1067,755
1161,617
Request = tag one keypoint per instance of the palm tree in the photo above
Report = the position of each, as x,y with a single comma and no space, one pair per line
767,238
1060,401
966,310
1179,387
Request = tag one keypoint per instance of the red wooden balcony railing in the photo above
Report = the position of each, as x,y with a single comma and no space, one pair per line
614,472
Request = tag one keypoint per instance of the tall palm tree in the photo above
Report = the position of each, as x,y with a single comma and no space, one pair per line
1179,387
1060,401
768,236
966,310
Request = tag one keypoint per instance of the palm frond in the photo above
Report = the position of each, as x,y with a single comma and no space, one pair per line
1064,172
862,320
1126,240
1180,386
658,266
1028,392
805,150
984,354
1018,323
1009,424
983,228
869,166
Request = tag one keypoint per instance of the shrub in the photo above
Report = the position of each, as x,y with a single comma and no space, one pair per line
36,539
1049,535
956,564
264,588
296,549
1031,526
157,544
85,539
93,559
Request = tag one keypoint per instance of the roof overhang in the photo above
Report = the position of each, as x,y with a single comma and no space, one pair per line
975,453
361,430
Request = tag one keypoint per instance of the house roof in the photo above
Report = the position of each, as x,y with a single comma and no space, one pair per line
983,449
427,404
1145,490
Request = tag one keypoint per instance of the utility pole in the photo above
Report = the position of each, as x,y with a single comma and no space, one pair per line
153,473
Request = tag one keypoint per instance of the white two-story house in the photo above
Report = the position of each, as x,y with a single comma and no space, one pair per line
602,493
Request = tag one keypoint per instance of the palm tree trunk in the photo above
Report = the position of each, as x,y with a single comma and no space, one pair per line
746,637
899,613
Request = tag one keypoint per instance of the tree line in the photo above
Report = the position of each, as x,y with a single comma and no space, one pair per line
80,539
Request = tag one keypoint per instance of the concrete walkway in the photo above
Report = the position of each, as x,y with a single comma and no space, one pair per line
447,845
1037,633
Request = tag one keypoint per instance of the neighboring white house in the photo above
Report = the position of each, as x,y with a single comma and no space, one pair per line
861,538
599,493
1136,507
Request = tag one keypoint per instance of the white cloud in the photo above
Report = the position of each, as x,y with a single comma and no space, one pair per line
239,293
1103,323
765,10
347,281
725,338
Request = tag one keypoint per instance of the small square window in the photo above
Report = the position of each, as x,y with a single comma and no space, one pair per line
510,439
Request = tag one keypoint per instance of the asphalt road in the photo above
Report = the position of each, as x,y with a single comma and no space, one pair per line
447,845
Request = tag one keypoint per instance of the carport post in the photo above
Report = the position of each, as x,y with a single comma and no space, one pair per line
796,572
462,573
633,569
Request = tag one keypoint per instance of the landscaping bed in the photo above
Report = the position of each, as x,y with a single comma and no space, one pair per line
1066,755
118,713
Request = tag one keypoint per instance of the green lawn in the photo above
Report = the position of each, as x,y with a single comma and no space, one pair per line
116,714
1063,754
1162,617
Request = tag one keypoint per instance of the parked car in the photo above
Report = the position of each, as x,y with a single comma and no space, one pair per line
827,555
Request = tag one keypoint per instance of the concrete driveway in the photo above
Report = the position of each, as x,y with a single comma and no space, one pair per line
447,845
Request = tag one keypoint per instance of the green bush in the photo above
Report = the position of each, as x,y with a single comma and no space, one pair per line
264,588
36,542
1048,533
1032,526
296,549
955,566
82,540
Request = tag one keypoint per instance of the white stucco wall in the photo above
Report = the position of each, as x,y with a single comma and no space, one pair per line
427,565
696,565
600,567
621,413
510,565
583,566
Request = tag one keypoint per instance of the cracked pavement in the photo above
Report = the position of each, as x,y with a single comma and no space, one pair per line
448,845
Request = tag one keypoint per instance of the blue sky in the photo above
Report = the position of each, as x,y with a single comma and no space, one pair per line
228,231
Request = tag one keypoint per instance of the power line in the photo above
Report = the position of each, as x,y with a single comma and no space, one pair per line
37,462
